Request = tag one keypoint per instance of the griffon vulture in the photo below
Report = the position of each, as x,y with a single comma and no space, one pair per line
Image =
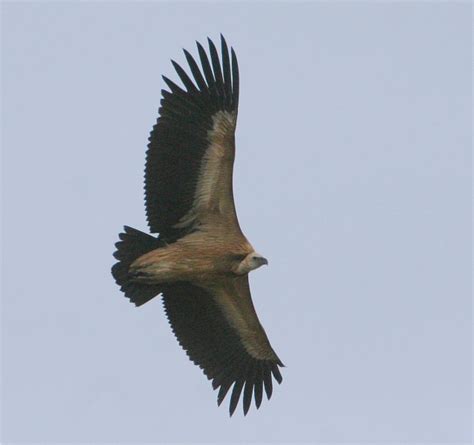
200,260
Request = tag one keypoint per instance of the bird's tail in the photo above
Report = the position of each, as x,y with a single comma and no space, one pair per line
131,246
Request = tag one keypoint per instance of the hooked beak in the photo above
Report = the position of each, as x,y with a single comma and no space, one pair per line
264,261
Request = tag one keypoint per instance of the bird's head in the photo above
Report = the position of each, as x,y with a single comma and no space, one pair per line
251,262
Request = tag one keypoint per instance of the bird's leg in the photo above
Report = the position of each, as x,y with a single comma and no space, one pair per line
142,276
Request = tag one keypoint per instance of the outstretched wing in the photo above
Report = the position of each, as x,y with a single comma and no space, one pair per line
221,333
188,174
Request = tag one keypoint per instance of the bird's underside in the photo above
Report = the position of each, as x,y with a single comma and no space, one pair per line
201,260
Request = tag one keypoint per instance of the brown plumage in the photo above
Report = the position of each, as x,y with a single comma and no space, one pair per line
201,260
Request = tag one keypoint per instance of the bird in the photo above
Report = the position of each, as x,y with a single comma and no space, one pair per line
199,260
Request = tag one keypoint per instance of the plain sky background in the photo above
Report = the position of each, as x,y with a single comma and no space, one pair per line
352,176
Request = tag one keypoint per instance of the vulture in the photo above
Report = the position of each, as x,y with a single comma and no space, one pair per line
199,260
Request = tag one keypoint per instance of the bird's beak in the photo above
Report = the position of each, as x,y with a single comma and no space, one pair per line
264,261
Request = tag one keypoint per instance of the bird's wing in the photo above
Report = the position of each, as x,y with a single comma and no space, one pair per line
221,333
188,174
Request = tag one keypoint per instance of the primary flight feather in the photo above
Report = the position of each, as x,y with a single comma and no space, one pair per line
200,260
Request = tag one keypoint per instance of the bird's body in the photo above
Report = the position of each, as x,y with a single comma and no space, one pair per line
201,260
186,260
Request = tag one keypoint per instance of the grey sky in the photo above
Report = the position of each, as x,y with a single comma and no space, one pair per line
352,176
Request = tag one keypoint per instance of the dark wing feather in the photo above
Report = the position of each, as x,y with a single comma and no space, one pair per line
201,83
187,82
179,139
258,392
227,75
235,80
216,66
207,69
210,341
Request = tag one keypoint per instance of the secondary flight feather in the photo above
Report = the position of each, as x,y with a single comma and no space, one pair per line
200,260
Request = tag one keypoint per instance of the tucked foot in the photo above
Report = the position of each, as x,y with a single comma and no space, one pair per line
140,276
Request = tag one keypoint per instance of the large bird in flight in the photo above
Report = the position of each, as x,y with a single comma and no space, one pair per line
200,260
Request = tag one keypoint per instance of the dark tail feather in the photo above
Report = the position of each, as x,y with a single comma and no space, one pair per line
132,245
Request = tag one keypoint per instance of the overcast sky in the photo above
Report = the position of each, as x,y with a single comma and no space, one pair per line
352,177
